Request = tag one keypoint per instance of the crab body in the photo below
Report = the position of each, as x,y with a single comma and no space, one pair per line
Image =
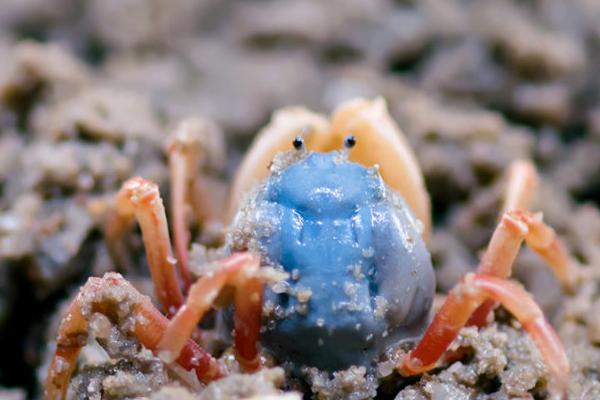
360,275
359,278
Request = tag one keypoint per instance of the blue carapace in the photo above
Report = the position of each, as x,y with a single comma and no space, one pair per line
360,276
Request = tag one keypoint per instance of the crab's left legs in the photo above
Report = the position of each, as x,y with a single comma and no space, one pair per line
239,271
462,301
248,304
190,146
184,161
141,199
144,321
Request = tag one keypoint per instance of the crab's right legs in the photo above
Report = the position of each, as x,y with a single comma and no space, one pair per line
517,225
521,186
541,238
462,301
514,228
98,295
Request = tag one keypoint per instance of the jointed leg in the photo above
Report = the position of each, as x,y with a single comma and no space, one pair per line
141,199
247,320
463,300
100,295
239,271
72,336
521,187
514,227
184,164
471,302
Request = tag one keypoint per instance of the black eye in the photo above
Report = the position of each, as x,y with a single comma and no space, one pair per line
298,142
349,142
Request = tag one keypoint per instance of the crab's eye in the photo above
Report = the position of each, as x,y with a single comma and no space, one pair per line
298,142
349,141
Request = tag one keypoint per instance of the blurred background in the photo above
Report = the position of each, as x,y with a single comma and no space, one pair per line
90,89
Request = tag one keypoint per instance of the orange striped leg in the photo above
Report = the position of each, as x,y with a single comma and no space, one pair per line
72,336
455,312
97,295
247,321
238,270
184,152
506,241
514,227
195,142
522,185
141,199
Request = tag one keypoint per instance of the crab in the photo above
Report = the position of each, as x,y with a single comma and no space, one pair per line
326,262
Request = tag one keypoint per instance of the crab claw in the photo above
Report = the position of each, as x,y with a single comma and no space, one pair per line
379,141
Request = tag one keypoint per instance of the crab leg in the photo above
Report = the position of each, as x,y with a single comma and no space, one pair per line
184,163
72,336
541,238
238,270
98,295
247,322
456,310
521,186
514,227
141,199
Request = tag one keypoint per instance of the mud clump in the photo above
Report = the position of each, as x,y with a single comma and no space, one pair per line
352,384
